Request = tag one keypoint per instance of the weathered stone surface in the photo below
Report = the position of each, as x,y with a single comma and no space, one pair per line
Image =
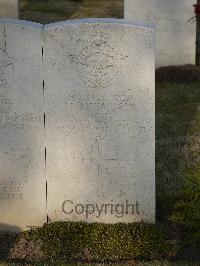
99,90
22,164
9,9
175,36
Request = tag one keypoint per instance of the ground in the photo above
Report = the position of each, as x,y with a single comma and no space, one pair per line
177,107
131,263
177,131
47,11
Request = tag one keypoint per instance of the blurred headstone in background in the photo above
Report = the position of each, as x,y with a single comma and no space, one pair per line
9,9
175,36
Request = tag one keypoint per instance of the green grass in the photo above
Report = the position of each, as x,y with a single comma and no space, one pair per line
75,241
177,140
132,263
47,11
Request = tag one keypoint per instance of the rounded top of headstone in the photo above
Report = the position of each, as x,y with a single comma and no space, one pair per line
100,21
20,22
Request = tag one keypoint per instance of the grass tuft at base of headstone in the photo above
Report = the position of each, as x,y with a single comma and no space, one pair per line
82,242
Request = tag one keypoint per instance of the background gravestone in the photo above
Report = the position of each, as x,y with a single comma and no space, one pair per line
99,90
9,9
175,36
22,175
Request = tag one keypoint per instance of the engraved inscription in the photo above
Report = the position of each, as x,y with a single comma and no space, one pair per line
14,175
15,120
161,16
5,106
99,63
101,110
10,190
6,65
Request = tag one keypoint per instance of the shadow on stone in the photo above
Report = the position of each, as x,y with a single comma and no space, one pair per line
15,247
7,239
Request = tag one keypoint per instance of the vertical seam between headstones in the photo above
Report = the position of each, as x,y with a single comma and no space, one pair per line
5,43
45,149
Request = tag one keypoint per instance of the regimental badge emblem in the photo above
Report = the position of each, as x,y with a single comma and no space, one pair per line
99,63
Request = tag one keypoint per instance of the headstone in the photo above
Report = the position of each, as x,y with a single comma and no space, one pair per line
175,36
22,163
99,91
9,9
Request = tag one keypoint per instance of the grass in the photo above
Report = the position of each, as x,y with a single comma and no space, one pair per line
47,11
132,263
177,139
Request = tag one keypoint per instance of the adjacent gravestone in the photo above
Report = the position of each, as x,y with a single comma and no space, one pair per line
175,36
22,164
9,9
99,90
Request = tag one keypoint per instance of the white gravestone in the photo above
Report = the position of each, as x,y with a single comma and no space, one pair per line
22,163
99,90
175,36
9,9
